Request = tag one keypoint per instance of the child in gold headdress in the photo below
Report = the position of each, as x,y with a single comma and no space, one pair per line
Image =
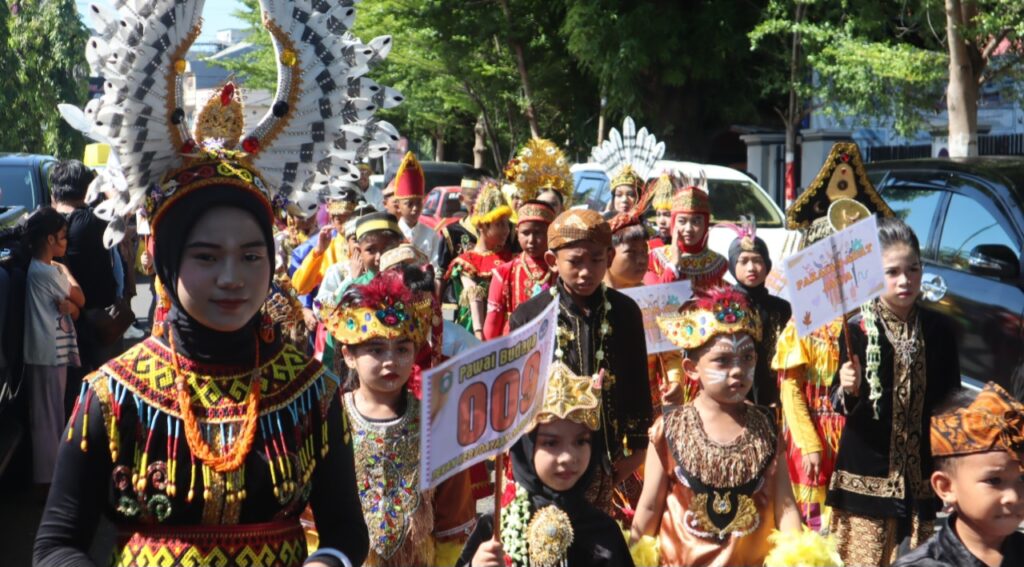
687,256
712,492
977,445
549,522
382,325
469,275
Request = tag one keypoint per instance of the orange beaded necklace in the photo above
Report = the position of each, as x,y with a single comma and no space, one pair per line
233,457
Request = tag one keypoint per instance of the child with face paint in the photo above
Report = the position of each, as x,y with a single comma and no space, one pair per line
749,264
712,491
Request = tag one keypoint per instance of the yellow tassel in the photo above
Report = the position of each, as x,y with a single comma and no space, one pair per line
646,552
85,433
446,553
799,548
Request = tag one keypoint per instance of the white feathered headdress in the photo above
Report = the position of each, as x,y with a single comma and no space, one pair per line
628,158
320,123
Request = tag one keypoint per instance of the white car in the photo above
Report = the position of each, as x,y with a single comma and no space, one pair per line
732,193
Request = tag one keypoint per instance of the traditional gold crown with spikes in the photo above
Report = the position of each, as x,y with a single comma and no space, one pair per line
383,309
490,205
663,190
721,311
573,397
539,166
627,176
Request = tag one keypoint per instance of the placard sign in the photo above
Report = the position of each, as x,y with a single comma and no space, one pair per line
479,403
655,300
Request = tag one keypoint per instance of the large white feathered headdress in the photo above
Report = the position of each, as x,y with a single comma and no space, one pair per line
628,158
320,123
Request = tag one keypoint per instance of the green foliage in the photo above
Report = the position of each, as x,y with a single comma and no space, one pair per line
42,64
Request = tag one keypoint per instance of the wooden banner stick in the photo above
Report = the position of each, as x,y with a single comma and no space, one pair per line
499,479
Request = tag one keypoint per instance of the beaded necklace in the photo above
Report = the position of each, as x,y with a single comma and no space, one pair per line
231,458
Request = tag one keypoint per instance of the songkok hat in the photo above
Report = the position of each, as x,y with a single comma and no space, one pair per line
376,221
536,211
994,421
344,201
579,224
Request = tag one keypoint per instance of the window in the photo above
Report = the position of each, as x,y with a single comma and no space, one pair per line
430,205
916,205
18,187
967,225
732,198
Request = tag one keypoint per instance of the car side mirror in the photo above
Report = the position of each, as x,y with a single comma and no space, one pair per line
996,260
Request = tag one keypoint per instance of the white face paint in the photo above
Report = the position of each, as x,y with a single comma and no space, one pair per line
726,354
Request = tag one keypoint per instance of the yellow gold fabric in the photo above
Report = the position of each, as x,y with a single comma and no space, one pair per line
572,397
311,272
541,165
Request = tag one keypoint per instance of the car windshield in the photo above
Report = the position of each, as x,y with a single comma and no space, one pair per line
17,187
731,198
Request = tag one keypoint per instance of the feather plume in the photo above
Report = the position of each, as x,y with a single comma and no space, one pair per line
639,150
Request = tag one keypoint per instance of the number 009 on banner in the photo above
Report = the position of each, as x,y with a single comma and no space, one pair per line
483,400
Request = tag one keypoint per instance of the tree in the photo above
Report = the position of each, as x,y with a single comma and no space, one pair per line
47,41
984,43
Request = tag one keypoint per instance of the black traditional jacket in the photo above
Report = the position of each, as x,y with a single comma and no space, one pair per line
945,549
884,464
626,412
774,313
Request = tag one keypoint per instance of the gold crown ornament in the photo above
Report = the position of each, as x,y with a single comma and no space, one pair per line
319,124
722,311
627,176
381,309
490,205
573,397
662,190
540,165
691,199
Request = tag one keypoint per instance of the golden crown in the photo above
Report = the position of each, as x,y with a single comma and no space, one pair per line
538,166
627,176
573,397
490,205
722,311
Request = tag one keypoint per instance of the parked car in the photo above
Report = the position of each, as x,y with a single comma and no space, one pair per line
442,207
444,173
24,180
967,216
732,194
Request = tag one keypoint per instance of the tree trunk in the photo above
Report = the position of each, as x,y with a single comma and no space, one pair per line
793,110
962,91
439,146
524,77
479,142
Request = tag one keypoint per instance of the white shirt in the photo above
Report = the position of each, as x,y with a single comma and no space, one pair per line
423,238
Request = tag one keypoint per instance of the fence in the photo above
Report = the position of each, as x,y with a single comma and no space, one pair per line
988,145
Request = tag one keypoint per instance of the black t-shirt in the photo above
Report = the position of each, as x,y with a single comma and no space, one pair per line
90,263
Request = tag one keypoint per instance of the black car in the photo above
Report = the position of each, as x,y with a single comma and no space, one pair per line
967,215
25,180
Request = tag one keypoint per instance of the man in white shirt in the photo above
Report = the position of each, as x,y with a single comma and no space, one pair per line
409,185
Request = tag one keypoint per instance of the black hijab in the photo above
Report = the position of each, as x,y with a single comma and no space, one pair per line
192,339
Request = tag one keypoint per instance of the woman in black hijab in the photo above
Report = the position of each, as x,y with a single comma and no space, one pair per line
209,438
553,465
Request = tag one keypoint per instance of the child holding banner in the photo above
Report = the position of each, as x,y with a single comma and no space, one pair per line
382,325
904,363
725,448
549,521
591,319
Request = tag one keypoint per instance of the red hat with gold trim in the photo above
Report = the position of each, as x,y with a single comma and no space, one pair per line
536,211
409,180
